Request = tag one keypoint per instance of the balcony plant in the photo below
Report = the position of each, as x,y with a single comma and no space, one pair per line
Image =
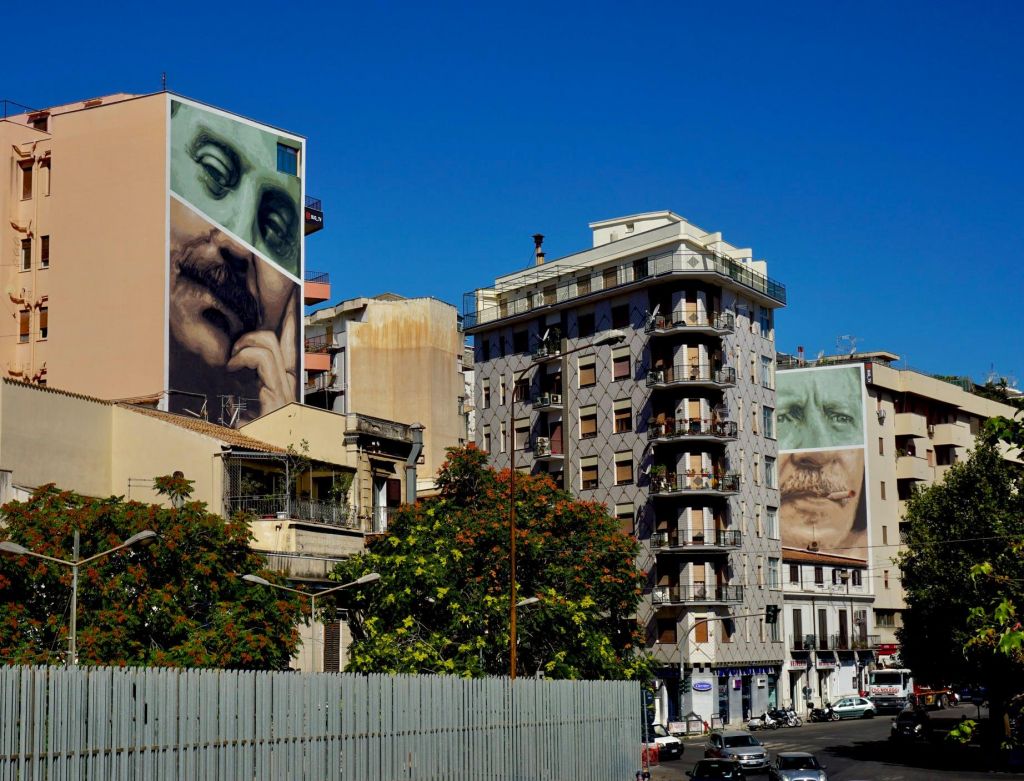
658,472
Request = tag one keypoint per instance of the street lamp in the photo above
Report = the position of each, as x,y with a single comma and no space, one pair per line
256,580
613,336
15,549
844,576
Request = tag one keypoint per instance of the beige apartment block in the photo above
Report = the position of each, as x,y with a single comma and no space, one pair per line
393,358
88,212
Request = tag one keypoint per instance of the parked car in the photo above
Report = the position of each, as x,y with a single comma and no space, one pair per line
669,747
716,770
796,766
738,745
911,724
854,708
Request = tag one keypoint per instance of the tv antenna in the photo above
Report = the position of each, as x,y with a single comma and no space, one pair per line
849,340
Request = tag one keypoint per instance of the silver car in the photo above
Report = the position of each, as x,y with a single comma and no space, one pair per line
796,766
738,745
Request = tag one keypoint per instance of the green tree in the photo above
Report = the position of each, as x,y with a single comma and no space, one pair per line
178,602
443,600
959,530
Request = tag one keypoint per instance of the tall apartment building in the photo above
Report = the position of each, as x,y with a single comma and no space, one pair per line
153,247
672,428
856,435
394,358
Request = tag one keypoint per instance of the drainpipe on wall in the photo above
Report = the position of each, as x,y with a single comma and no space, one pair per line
410,462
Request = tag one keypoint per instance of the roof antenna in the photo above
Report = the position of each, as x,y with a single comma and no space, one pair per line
163,81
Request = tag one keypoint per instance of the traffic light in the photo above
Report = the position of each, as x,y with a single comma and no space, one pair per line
771,614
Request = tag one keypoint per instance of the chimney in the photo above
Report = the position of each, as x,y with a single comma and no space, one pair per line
538,249
800,355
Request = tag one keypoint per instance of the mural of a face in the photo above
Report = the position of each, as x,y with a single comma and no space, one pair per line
822,500
820,408
234,327
231,172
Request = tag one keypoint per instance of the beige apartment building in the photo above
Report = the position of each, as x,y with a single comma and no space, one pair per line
915,427
150,247
393,358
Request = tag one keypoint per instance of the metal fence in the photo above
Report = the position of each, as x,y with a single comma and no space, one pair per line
165,724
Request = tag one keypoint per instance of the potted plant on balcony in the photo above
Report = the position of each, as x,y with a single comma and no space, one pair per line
658,476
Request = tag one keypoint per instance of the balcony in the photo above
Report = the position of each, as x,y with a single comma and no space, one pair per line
318,358
544,449
321,381
682,376
314,215
712,324
317,287
856,642
946,434
696,595
703,484
287,508
913,468
692,429
803,642
697,541
551,350
910,424
548,402
529,295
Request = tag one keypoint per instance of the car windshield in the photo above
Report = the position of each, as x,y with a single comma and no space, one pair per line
714,770
887,679
798,763
739,741
658,731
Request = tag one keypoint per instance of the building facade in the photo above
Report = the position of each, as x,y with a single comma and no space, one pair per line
154,247
394,358
640,373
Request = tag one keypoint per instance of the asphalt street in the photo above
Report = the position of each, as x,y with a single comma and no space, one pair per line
857,749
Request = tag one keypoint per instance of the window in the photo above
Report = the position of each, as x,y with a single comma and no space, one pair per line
885,618
885,579
620,316
881,446
501,392
624,468
835,577
588,473
485,348
588,371
772,522
521,341
521,390
883,489
625,513
40,121
26,181
620,363
640,269
26,254
44,252
667,631
857,578
588,422
819,576
769,472
485,440
583,286
24,321
885,535
502,436
773,572
44,322
794,573
522,433
485,393
585,325
728,630
768,422
774,631
766,372
44,175
287,159
609,277
766,322
623,416
700,632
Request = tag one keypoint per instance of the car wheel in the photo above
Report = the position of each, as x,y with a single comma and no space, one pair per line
869,714
942,703
833,717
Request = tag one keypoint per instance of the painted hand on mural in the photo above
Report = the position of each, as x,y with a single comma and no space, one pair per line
273,357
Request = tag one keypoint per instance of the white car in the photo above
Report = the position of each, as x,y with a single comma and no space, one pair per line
669,746
854,708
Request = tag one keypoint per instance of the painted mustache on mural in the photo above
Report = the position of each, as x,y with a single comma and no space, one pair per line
223,272
821,482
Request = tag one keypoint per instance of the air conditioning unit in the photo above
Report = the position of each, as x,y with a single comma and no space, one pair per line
542,447
556,398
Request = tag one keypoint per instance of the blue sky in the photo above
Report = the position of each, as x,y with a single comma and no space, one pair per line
871,152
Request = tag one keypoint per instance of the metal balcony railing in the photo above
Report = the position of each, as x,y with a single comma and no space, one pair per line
841,642
345,516
718,321
550,349
803,642
695,594
697,538
705,481
693,427
318,344
321,277
682,374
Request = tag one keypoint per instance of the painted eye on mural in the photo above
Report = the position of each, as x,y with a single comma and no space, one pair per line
278,224
220,168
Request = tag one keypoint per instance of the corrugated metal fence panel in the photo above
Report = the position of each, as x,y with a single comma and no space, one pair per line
89,724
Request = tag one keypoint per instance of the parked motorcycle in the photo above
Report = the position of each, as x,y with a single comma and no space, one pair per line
789,717
824,714
764,721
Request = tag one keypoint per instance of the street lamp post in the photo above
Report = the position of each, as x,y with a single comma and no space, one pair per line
844,576
613,336
256,580
15,549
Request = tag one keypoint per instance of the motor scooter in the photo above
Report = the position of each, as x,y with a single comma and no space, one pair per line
823,714
764,721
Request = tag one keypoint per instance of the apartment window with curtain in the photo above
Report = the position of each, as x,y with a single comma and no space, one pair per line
769,472
624,468
620,364
44,252
772,522
767,378
521,390
588,422
766,322
24,325
625,513
26,254
588,371
588,473
774,581
44,322
522,433
768,422
623,410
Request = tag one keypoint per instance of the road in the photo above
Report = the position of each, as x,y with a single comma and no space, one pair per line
856,749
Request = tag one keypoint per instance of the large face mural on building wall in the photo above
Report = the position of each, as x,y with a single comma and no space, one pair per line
234,298
820,415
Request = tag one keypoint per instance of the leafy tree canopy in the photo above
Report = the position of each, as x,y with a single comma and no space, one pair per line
443,601
177,602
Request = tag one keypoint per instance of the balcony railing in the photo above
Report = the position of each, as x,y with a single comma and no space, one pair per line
314,203
321,277
704,482
679,539
693,427
858,642
318,344
309,510
803,642
682,374
612,277
548,351
695,594
711,321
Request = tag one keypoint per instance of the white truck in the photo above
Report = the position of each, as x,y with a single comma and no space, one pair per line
892,689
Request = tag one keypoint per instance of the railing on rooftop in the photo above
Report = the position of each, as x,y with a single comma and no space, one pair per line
318,344
581,281
321,277
314,203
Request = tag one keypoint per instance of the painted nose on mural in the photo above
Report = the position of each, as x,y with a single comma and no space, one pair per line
236,258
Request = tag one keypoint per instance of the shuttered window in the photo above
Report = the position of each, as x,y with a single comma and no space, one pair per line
588,371
624,468
588,422
588,472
